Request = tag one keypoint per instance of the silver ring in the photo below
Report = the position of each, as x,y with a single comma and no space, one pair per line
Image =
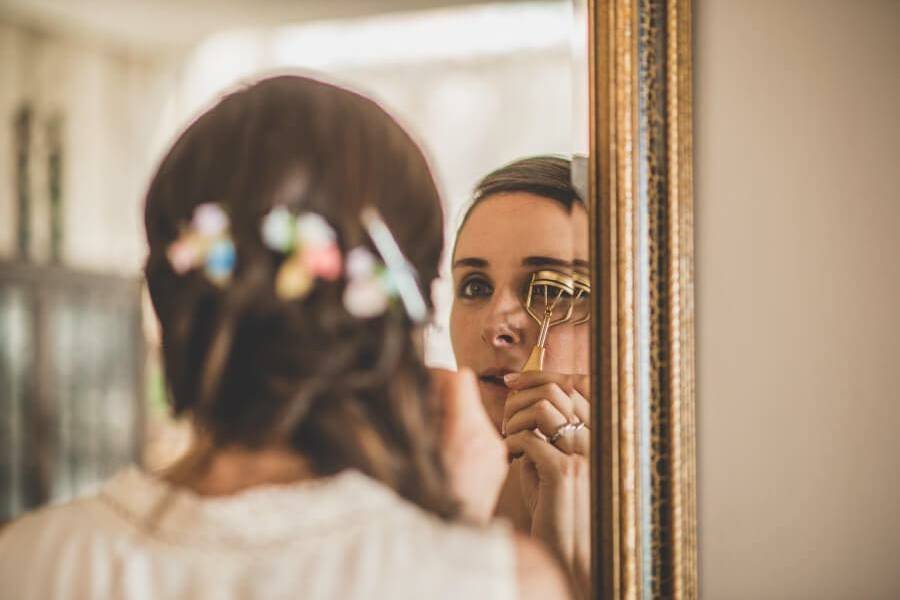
565,430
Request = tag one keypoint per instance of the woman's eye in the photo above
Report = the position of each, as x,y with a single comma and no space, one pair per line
475,288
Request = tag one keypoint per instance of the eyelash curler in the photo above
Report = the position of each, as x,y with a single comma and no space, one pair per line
546,290
580,301
547,287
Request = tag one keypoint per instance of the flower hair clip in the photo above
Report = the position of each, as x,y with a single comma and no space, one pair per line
311,252
369,288
205,242
372,284
400,276
310,244
311,247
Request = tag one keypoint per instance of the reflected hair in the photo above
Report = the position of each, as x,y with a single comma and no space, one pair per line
548,176
253,370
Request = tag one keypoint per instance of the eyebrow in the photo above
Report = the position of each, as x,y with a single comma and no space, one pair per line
545,261
478,263
528,261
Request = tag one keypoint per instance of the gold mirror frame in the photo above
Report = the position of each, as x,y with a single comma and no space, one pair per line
640,185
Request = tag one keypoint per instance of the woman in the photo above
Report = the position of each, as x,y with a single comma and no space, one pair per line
286,229
527,216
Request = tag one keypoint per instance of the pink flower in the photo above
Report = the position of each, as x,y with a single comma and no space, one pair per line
183,255
323,261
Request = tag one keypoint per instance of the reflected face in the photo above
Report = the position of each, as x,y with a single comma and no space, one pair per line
506,238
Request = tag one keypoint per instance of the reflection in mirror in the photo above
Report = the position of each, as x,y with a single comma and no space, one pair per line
81,400
519,322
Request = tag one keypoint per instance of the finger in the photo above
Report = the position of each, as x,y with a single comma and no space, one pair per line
582,384
541,415
550,391
579,383
528,379
546,458
581,407
582,439
577,442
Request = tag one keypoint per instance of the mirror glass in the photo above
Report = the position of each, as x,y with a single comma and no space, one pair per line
93,95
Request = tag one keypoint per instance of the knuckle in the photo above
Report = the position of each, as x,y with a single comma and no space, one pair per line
561,394
545,408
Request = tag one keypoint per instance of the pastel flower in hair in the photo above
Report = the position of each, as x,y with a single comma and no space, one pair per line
313,231
205,242
210,220
360,263
367,293
310,244
184,253
278,230
324,261
293,279
220,261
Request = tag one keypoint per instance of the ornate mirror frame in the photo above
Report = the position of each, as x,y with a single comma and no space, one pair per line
640,182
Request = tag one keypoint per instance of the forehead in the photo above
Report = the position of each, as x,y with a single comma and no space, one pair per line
508,227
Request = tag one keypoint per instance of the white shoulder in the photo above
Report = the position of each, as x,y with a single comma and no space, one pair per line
40,544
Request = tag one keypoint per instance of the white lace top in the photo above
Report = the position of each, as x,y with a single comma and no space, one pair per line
345,537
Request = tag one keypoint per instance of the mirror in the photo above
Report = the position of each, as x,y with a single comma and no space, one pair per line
640,176
496,94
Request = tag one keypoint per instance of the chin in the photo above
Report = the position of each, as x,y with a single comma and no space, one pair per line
494,400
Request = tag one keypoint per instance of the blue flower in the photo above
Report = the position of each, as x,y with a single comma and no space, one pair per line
220,261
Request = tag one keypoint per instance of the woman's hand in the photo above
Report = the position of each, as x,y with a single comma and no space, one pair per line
474,454
555,476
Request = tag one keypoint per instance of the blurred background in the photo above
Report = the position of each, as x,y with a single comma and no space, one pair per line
91,95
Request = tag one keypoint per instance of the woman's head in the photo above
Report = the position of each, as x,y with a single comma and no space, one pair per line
525,216
253,369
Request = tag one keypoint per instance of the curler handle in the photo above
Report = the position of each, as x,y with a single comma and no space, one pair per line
535,361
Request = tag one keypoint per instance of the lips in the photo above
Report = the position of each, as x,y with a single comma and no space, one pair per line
494,376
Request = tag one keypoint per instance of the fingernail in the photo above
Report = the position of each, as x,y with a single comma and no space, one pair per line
510,378
503,428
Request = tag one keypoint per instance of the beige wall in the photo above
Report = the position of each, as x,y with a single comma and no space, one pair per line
110,103
798,297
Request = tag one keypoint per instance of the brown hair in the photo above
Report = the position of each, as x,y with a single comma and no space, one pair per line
252,369
546,176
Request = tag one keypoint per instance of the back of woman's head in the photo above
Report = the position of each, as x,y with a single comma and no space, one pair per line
254,369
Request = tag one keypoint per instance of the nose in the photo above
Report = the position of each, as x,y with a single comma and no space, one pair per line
504,323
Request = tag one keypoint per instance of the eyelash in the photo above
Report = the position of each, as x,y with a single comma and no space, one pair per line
482,280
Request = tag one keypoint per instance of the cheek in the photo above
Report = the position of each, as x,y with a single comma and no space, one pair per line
582,344
569,350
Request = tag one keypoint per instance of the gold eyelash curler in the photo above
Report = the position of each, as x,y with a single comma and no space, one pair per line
580,301
549,287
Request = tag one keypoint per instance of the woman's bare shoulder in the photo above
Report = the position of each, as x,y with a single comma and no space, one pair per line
538,576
